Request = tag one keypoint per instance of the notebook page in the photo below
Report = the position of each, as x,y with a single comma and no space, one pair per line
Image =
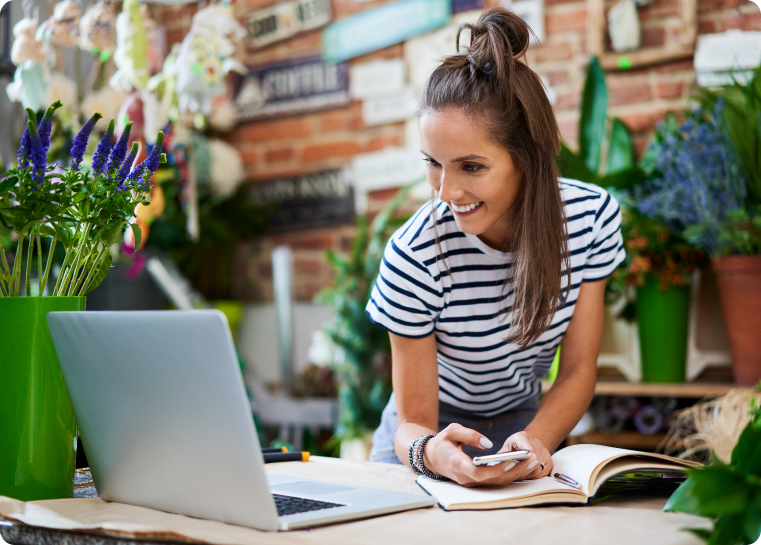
449,493
580,461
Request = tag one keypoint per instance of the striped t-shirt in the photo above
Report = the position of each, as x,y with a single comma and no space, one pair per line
469,311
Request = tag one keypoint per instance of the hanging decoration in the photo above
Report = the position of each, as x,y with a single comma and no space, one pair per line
31,58
97,30
131,54
204,58
62,29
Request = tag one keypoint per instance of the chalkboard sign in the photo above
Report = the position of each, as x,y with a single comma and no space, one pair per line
292,87
306,202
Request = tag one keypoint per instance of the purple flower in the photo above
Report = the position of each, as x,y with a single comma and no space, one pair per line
37,154
120,150
136,177
80,141
154,158
126,166
22,158
46,125
104,148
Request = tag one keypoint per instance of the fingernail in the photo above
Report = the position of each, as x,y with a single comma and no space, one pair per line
485,442
509,465
532,465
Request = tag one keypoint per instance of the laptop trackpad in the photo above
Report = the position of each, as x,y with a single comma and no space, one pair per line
309,488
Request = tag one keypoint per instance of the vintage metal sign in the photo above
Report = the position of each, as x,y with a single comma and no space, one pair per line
381,27
306,202
376,78
292,87
284,19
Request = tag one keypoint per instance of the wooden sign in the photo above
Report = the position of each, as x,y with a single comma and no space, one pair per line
285,19
292,87
381,27
306,202
376,78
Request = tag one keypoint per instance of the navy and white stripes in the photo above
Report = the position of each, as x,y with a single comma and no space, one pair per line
465,304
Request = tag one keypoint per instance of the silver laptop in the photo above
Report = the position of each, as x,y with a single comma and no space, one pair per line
164,418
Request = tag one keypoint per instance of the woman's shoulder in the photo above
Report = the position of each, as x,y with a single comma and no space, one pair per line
580,197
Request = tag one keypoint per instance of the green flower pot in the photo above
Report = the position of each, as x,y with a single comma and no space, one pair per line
663,318
37,430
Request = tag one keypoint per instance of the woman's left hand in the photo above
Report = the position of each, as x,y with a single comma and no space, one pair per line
541,455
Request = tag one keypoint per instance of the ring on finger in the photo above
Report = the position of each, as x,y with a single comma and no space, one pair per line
542,464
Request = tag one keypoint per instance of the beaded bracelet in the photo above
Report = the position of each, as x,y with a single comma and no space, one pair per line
424,470
412,453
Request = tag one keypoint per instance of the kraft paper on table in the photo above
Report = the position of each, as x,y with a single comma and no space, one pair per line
617,521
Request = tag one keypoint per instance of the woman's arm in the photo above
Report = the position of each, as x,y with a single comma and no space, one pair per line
564,404
416,388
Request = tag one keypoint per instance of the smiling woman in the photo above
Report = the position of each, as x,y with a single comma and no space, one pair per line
481,286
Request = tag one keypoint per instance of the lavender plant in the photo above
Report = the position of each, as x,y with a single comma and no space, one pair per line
698,183
86,211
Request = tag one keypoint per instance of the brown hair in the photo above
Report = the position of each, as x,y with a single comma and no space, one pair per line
492,81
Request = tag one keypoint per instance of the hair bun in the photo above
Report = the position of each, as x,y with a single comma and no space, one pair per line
499,34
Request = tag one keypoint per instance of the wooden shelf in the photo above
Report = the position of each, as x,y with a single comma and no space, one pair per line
691,390
622,439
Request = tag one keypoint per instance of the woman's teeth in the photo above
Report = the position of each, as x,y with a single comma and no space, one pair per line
467,207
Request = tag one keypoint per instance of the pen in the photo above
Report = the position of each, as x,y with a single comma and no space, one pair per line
565,479
266,450
270,457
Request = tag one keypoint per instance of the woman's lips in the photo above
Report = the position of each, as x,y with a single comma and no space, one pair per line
465,209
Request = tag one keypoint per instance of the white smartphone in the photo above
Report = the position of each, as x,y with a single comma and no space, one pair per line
493,459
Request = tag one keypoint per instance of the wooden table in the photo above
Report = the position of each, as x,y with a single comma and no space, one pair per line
620,521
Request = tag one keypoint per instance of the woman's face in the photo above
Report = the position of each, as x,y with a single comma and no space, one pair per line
474,175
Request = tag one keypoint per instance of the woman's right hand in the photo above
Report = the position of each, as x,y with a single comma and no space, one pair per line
444,456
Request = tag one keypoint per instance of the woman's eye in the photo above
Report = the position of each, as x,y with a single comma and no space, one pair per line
472,168
430,161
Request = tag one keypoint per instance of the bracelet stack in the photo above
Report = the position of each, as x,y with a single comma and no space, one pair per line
417,448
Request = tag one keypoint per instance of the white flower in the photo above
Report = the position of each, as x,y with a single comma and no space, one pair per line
226,169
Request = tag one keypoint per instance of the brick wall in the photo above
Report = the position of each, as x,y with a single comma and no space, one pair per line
317,141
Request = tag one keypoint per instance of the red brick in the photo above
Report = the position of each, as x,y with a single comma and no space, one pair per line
751,21
639,122
569,130
317,152
264,131
564,22
391,52
309,266
277,155
305,241
249,157
344,119
659,10
733,21
568,101
556,77
553,52
670,89
383,194
632,94
653,36
673,67
264,270
706,27
380,142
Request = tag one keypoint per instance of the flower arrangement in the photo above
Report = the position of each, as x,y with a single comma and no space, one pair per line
85,211
699,188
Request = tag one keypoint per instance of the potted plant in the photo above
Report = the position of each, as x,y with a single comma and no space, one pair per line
85,212
363,361
700,189
655,282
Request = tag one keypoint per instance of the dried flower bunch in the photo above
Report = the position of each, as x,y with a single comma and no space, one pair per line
84,210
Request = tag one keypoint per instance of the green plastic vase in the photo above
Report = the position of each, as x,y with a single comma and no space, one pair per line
663,320
37,429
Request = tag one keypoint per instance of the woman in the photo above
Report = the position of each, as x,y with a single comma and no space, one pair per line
481,285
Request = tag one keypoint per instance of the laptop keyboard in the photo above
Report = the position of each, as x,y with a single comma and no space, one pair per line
288,505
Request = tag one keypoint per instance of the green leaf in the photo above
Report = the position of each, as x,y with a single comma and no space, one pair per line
572,166
8,183
621,148
684,499
79,197
114,234
701,533
47,231
623,180
594,110
752,523
138,236
719,490
100,275
747,452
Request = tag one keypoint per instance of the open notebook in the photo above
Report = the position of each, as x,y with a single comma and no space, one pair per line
588,465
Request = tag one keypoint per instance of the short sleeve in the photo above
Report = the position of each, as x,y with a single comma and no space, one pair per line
406,298
606,251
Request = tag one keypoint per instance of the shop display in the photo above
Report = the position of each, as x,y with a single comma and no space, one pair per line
286,19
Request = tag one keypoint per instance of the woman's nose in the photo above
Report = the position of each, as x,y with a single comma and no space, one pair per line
448,189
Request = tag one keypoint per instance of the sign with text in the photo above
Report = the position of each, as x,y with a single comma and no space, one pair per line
381,27
389,109
458,6
306,202
376,78
292,87
285,19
